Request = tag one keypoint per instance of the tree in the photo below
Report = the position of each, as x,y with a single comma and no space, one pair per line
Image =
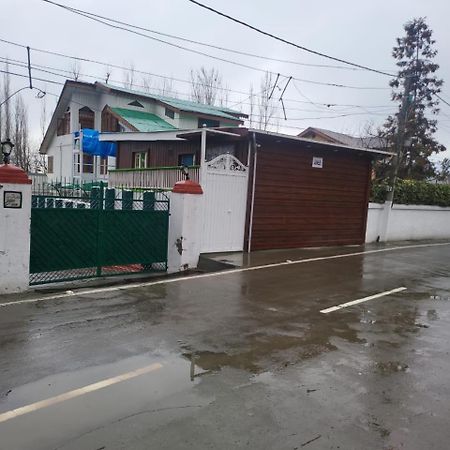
21,154
266,102
411,130
129,76
75,70
206,86
167,87
5,118
444,171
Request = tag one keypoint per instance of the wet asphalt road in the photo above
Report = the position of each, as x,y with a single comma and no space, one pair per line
244,359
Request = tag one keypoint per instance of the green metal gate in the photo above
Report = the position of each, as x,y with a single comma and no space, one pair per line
84,231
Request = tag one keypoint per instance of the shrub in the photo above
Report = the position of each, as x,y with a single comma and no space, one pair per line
412,192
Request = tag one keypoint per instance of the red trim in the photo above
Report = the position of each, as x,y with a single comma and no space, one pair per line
187,187
13,174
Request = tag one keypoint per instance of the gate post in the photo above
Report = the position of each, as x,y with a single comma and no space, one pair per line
185,226
15,215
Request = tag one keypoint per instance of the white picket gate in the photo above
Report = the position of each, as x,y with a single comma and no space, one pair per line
224,182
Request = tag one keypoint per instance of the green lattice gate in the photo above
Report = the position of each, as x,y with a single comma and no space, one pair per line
90,231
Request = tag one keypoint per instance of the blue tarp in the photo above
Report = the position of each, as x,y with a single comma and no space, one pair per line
93,146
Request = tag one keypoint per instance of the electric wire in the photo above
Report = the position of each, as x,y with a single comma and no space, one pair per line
95,17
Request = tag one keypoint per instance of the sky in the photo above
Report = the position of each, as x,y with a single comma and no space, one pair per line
359,31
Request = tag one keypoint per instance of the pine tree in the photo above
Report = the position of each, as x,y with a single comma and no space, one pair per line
417,79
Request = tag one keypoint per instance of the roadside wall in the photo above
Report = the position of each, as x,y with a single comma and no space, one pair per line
405,222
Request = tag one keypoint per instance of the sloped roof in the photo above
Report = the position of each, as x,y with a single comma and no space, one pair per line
346,139
181,105
143,121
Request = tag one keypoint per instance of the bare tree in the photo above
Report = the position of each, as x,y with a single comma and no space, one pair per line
108,74
252,103
129,76
5,120
43,120
266,102
75,70
224,96
167,87
206,85
21,154
147,83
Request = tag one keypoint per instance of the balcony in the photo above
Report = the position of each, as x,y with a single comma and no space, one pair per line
163,178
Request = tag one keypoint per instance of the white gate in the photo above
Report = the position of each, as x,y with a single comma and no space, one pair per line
224,184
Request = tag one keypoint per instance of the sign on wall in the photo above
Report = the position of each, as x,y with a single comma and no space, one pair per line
12,199
317,162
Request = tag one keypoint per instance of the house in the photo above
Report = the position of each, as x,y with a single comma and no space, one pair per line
320,134
104,107
262,190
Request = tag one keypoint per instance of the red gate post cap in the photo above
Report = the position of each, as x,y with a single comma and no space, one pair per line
187,187
13,174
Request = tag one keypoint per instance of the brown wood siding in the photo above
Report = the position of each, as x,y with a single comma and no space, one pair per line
297,205
109,121
160,154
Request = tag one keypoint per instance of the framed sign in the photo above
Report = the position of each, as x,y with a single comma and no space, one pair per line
12,199
317,162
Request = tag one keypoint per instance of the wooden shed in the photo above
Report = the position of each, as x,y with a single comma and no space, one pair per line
307,193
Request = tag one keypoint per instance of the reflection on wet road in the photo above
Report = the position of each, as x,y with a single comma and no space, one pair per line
246,359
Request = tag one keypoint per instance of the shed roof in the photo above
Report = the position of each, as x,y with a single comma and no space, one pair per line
143,121
346,139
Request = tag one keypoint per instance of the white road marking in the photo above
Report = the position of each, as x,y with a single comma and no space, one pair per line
213,274
362,300
77,392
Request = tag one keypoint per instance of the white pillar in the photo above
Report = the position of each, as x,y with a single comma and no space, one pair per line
185,226
15,216
384,222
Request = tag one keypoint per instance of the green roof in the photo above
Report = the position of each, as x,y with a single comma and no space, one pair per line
143,121
184,105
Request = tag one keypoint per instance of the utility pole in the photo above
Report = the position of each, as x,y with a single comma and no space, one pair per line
399,139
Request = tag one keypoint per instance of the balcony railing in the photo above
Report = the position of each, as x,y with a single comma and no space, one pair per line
150,178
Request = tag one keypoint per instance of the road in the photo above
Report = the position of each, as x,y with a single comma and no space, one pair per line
238,359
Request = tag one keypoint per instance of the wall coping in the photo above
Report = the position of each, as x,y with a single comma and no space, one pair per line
13,175
411,207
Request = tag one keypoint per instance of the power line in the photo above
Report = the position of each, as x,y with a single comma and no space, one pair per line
285,41
440,98
109,65
97,18
217,47
41,68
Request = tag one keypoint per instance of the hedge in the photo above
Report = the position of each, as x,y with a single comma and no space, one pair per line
411,192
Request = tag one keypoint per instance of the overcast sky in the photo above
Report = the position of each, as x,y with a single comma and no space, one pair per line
359,31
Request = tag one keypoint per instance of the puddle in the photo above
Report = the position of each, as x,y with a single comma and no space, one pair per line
389,367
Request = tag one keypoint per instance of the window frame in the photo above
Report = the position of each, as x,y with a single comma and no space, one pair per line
210,123
181,155
170,113
50,164
137,163
103,165
88,167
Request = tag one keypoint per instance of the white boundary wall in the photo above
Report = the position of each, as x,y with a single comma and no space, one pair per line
405,222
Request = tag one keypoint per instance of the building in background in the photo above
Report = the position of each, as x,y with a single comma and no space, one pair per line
103,107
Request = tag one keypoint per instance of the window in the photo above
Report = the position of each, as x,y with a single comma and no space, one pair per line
49,164
169,113
136,103
63,126
140,160
187,159
207,123
86,118
103,166
88,163
76,163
